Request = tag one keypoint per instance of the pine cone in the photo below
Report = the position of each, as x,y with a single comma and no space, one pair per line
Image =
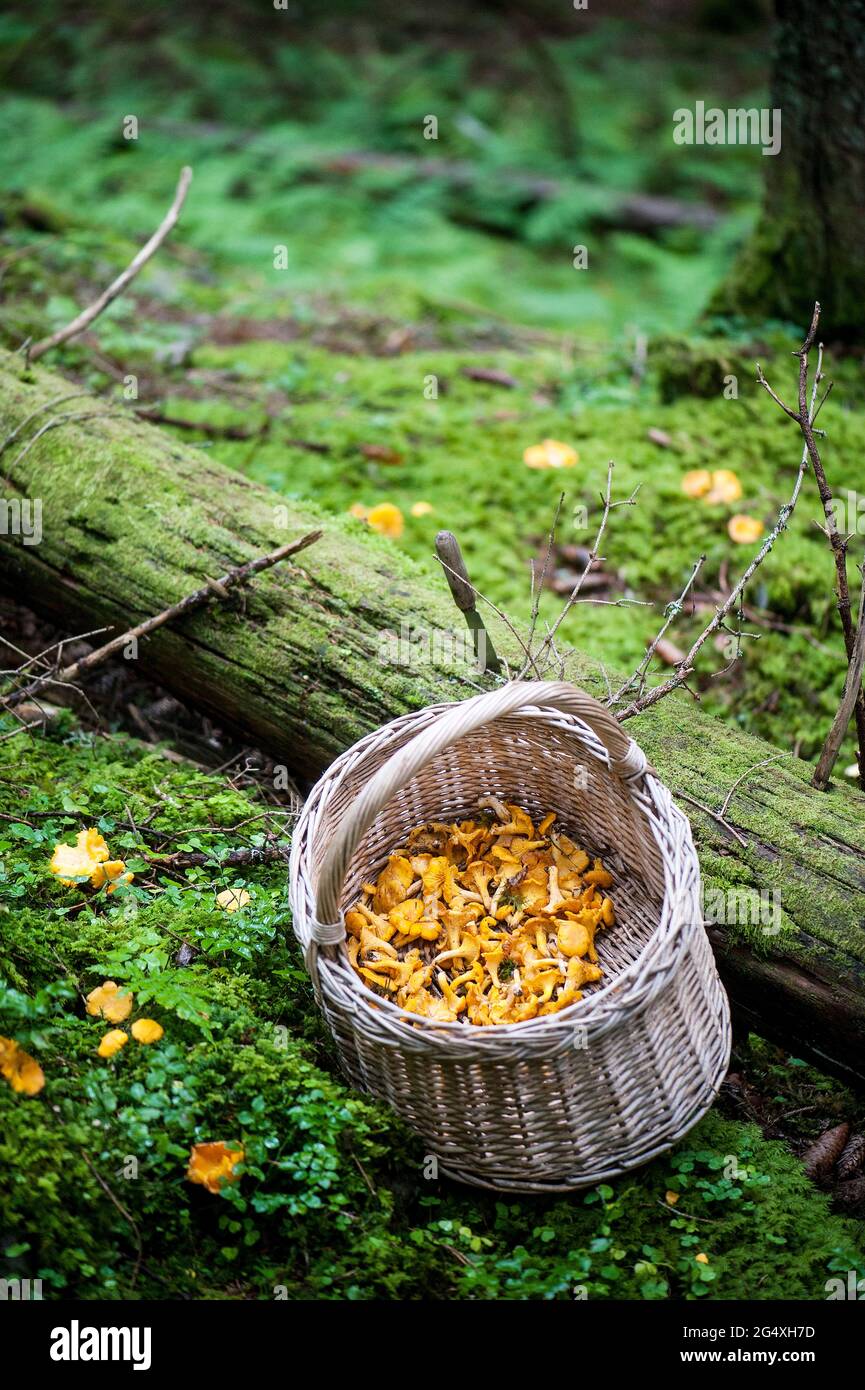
852,1157
820,1159
852,1192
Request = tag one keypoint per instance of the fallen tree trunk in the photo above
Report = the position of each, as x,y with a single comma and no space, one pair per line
607,207
644,212
353,634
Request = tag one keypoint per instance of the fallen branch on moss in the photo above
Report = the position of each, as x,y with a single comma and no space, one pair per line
116,288
178,422
319,661
235,859
212,589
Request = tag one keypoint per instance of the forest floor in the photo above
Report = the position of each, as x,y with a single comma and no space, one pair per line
317,381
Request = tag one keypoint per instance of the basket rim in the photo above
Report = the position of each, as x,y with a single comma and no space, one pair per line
599,1011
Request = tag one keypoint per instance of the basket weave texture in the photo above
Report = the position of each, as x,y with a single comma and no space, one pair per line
562,1101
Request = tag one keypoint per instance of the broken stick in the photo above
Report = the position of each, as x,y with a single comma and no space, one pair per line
86,317
852,691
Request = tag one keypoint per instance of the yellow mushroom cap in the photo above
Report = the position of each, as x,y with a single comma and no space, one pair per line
87,858
147,1030
744,530
387,519
22,1071
550,453
697,482
112,1042
573,939
108,1001
213,1164
725,486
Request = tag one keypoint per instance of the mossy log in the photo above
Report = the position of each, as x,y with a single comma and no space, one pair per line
313,656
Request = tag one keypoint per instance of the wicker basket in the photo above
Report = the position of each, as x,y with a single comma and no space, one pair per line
558,1102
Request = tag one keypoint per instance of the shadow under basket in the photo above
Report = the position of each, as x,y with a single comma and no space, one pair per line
563,1101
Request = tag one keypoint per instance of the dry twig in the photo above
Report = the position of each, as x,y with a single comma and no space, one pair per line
852,692
538,585
213,589
236,858
40,409
716,815
86,317
679,678
805,420
51,424
593,557
745,775
672,612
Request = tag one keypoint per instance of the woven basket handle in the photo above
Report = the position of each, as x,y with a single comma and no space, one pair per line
626,759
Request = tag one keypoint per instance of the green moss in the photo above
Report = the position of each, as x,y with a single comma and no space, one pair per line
335,1199
689,366
462,453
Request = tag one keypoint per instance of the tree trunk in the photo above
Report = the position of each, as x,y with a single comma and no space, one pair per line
808,241
306,662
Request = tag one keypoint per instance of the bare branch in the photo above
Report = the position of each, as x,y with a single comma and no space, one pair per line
672,612
40,409
86,317
538,588
837,542
794,415
213,589
52,424
594,555
651,697
852,692
716,815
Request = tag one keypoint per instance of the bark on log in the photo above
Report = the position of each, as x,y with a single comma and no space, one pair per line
132,519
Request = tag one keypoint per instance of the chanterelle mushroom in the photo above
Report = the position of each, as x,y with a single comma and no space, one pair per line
492,803
514,909
393,883
557,897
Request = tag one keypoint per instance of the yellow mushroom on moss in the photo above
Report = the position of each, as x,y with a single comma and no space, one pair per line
147,1030
213,1164
19,1069
109,1001
744,530
112,1042
89,858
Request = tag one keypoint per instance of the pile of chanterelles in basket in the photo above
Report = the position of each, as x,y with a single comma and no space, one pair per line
488,921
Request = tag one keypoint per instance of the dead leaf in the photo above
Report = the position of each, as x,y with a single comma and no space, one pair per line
492,376
382,453
660,437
